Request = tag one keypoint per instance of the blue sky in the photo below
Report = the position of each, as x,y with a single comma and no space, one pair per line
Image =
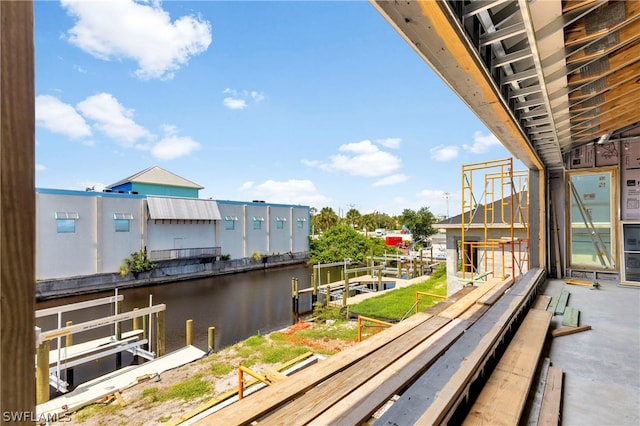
314,103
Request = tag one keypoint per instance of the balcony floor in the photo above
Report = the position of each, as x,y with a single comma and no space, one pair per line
601,366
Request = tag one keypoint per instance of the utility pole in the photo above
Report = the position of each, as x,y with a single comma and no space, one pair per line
446,196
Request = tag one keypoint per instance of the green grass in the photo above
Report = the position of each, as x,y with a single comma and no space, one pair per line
395,304
219,369
335,331
188,390
280,354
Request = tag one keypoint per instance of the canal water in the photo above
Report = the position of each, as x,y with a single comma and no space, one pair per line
237,305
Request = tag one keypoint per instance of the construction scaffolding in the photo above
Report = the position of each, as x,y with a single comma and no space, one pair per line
500,209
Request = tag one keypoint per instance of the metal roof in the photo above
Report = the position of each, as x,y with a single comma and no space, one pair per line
544,76
158,176
182,208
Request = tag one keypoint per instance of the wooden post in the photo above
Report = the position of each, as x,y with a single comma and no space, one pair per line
380,279
145,329
189,332
297,296
293,295
346,290
160,342
68,341
42,372
328,276
18,205
211,333
136,321
328,298
240,382
314,284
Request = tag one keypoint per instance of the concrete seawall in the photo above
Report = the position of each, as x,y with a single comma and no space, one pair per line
165,271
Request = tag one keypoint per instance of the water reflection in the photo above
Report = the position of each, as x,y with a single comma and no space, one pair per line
237,305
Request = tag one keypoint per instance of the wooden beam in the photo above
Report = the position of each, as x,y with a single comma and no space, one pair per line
542,302
551,400
627,34
577,33
470,299
17,199
571,316
563,331
504,396
255,405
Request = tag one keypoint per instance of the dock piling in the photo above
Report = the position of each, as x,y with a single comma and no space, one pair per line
189,326
211,333
42,372
160,342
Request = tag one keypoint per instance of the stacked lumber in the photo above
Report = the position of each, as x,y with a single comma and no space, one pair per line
503,397
350,386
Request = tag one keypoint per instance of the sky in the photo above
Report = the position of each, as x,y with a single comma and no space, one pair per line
316,103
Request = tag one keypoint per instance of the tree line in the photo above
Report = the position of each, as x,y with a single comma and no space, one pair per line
339,237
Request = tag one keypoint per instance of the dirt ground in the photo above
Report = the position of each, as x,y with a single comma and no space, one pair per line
141,408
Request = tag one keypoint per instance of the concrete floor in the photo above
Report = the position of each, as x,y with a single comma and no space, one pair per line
601,366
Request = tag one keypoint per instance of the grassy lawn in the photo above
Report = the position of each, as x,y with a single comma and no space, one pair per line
393,305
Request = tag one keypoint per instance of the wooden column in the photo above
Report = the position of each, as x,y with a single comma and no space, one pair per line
17,206
160,338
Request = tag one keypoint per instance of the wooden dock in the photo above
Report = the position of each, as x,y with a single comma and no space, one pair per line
412,358
94,390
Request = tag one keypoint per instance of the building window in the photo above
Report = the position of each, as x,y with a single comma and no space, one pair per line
230,222
300,222
257,222
122,221
280,222
66,222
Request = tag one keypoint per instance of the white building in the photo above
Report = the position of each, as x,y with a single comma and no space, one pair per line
85,233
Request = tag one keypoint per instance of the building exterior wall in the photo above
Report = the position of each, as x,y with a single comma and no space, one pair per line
256,215
231,240
116,246
97,247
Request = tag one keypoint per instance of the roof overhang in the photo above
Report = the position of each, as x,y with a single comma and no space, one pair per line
544,76
182,209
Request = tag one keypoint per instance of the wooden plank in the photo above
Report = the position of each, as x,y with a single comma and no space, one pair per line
504,396
358,406
117,381
496,293
321,397
445,399
552,398
570,317
467,301
534,412
562,303
563,331
18,206
253,406
554,302
542,302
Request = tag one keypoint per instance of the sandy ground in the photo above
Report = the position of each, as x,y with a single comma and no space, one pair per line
141,409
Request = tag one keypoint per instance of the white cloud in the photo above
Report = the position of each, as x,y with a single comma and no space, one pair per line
112,119
173,146
482,143
363,159
444,153
234,103
292,191
311,163
390,142
241,99
139,31
391,180
40,168
58,117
